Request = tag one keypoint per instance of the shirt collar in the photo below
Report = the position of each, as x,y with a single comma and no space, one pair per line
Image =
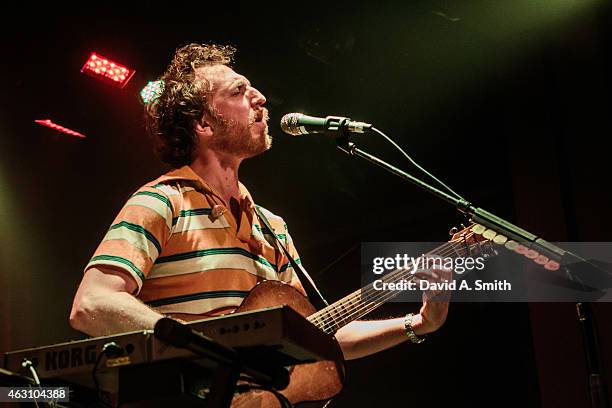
187,173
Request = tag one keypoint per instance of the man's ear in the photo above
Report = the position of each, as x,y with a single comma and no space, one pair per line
202,129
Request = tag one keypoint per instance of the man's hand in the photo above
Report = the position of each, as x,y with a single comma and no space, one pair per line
431,317
362,338
435,301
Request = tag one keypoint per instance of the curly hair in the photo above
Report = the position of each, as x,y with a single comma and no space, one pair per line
184,99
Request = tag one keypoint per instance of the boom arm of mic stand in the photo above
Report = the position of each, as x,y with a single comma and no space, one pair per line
477,215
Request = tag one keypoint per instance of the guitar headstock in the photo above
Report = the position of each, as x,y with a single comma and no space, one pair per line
464,233
471,243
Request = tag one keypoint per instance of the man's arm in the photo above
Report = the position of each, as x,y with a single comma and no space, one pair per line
362,337
104,305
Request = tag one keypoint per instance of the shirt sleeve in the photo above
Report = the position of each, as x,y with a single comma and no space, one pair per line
137,235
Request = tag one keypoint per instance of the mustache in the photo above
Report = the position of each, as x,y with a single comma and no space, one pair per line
264,116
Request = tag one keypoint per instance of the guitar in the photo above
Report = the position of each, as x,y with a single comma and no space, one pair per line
312,385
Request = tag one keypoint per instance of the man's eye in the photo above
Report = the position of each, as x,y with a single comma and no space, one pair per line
238,90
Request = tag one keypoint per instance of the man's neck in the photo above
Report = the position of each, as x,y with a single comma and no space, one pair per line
220,172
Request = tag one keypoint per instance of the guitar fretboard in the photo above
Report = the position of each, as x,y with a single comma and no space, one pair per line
361,302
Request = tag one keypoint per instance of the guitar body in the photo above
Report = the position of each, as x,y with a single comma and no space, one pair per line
314,384
311,385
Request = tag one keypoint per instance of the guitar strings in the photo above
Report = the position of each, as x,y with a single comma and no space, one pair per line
326,318
379,297
367,304
369,298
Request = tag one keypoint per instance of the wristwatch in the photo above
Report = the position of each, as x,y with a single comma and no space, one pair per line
410,332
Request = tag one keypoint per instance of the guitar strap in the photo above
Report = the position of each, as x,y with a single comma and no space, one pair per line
312,292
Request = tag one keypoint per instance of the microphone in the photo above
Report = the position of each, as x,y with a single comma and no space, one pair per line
296,124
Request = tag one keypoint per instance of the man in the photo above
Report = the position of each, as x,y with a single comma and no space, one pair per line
190,244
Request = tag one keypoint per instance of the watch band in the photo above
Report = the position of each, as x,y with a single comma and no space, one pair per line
410,331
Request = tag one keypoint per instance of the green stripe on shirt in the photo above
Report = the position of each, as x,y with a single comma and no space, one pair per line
120,260
190,213
156,195
140,229
265,230
215,251
286,266
198,296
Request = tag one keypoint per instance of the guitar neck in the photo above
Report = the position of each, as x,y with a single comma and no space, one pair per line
362,301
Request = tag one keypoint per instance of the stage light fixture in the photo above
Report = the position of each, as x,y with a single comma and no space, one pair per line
151,91
49,123
107,70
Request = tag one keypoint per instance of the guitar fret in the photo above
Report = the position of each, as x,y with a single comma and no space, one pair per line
315,319
326,325
344,311
353,298
332,313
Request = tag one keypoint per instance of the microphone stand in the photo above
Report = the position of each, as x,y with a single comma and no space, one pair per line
597,387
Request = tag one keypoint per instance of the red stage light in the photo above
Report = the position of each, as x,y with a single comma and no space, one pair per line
48,123
106,70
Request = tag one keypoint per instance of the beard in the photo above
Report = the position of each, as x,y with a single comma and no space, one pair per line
240,140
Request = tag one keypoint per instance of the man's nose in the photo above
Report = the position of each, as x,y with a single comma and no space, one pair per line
257,98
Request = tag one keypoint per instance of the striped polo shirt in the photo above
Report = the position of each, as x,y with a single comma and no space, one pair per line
187,252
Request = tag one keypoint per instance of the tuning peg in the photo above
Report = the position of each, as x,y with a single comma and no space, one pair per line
489,234
453,231
500,239
478,229
552,266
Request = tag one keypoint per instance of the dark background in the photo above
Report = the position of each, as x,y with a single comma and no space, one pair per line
505,101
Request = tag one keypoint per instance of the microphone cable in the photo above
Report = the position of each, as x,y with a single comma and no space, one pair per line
415,164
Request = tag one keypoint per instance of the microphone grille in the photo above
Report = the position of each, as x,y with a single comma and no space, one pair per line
290,124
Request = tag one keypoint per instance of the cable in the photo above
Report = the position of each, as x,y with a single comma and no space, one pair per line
29,365
108,349
415,164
